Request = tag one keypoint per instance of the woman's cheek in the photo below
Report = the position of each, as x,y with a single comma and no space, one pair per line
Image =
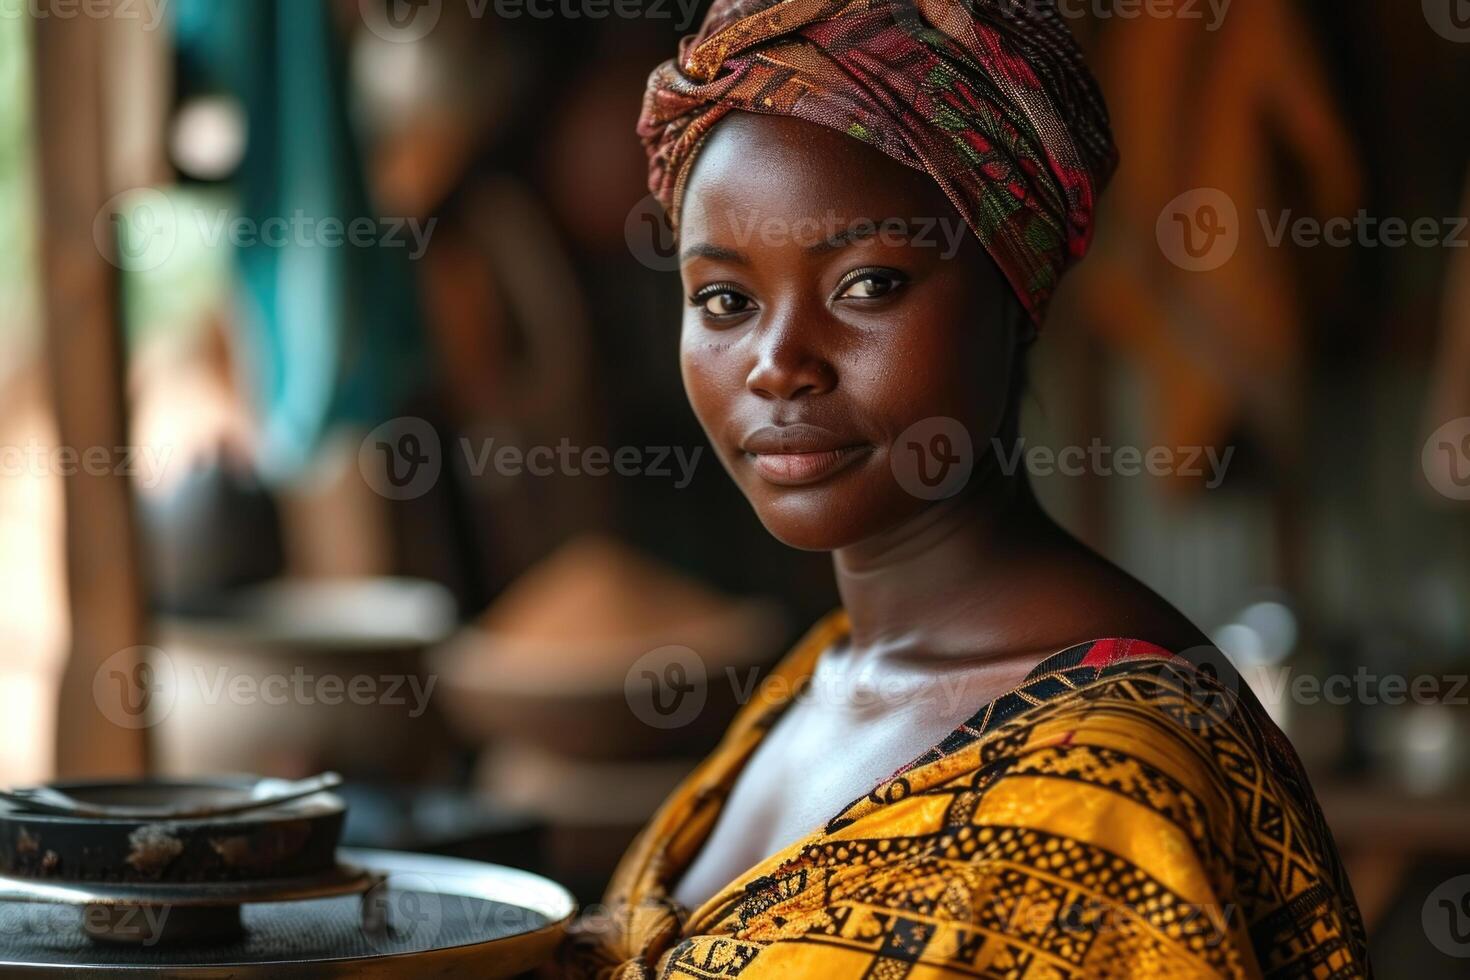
700,367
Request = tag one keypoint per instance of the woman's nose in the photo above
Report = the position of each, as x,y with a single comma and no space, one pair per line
788,366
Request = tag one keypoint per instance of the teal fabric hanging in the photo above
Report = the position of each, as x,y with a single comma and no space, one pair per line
330,329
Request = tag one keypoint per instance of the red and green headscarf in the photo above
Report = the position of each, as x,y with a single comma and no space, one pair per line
990,97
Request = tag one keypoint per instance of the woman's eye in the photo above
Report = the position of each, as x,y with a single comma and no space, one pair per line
724,303
870,286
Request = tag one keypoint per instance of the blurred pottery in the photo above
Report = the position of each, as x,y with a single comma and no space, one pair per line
216,530
572,657
294,677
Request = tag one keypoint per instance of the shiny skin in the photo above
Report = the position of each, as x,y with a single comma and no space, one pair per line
801,349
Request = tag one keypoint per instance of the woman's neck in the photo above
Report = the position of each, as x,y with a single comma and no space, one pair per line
950,581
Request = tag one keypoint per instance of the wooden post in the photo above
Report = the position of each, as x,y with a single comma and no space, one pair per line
85,355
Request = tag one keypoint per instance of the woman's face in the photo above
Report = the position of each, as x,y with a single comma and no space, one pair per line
836,302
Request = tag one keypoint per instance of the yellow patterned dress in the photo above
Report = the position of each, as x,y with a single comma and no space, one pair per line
1122,813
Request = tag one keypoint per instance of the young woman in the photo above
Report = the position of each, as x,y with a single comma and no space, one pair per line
1001,757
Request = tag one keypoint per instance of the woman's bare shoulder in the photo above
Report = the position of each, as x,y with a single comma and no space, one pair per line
1109,602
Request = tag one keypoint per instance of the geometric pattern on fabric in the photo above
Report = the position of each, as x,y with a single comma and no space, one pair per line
1121,813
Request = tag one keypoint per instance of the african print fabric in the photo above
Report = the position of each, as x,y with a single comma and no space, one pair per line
1121,813
990,97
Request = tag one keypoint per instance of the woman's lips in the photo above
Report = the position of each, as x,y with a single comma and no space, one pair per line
801,469
800,454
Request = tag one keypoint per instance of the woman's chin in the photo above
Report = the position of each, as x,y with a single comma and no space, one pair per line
811,521
802,538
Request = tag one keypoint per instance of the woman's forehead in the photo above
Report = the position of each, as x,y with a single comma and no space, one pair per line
778,167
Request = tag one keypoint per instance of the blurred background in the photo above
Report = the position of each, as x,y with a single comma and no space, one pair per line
341,424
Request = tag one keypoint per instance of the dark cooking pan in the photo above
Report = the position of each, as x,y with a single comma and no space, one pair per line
110,842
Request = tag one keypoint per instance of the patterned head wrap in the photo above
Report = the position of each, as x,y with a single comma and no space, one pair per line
990,97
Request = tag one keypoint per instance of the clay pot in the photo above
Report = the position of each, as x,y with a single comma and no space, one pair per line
296,677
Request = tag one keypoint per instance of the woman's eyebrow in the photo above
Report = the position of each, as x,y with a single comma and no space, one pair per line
719,252
855,232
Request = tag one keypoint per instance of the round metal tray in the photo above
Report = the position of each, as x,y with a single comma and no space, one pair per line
429,916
